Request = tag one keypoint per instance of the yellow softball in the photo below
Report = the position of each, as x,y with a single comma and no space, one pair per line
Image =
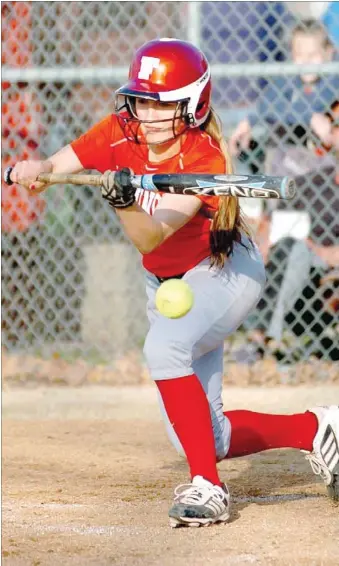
174,298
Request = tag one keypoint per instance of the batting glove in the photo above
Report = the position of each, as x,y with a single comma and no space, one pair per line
117,188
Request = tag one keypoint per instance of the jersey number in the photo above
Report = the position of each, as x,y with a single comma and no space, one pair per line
148,64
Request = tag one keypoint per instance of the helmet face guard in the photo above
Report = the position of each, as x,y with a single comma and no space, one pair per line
179,73
132,125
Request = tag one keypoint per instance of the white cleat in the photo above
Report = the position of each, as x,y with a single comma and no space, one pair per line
324,459
199,503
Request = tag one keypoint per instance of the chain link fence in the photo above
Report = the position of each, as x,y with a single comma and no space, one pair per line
70,280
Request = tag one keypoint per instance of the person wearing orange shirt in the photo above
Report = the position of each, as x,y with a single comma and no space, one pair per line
22,214
21,119
164,123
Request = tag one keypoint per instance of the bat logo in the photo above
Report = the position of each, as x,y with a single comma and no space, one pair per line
248,192
231,190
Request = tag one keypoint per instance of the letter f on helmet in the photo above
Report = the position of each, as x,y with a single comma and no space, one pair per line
146,66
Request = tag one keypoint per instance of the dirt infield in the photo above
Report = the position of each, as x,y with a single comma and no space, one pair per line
88,475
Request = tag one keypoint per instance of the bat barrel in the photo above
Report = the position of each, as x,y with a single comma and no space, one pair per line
253,186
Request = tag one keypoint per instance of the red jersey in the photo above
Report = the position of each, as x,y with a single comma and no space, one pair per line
105,147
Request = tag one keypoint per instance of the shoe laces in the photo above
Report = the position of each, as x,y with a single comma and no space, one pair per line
319,468
192,495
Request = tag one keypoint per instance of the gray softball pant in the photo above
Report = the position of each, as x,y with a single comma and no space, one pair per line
174,348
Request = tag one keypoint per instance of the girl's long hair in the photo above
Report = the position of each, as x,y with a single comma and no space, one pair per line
228,223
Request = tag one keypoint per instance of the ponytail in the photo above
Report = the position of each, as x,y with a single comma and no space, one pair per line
228,223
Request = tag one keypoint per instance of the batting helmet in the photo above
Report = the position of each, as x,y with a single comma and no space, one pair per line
169,70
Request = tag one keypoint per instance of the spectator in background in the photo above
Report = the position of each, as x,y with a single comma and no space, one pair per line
295,106
21,131
22,213
21,119
297,262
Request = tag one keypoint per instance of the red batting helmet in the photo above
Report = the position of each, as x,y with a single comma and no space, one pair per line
170,70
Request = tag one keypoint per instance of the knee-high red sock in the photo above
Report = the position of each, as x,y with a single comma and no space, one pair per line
188,410
254,432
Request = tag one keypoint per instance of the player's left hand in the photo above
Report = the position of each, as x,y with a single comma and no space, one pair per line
117,188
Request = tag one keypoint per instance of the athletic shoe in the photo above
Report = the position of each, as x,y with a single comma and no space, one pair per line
199,503
324,459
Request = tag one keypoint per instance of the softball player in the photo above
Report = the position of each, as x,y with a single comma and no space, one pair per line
164,123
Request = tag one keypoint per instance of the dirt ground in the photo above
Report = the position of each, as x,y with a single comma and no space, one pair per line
88,475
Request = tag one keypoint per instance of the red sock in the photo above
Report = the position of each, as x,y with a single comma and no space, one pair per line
254,432
189,413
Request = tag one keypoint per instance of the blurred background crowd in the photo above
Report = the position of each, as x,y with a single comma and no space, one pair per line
278,122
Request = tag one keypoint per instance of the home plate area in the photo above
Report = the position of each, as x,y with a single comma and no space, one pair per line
89,474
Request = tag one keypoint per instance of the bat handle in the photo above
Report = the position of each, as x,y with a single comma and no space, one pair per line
7,176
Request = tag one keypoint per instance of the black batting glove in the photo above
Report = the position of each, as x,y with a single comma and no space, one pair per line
117,188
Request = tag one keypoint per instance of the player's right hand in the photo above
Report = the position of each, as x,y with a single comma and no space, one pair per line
240,138
25,173
117,188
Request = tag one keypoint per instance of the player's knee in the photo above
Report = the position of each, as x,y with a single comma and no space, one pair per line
166,357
